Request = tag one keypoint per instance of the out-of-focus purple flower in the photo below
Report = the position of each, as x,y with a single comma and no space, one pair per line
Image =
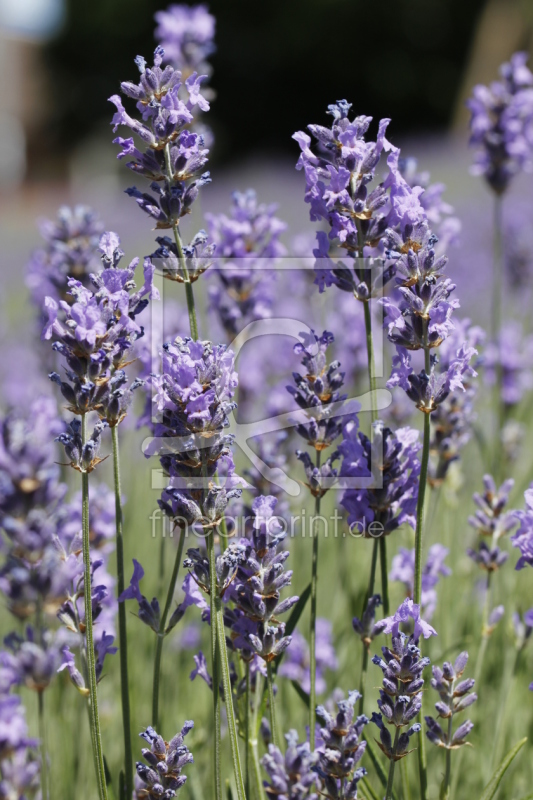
161,776
201,669
453,418
149,611
403,570
292,775
367,627
491,520
391,465
295,664
523,538
501,125
19,765
512,357
454,698
249,239
33,664
406,612
70,251
186,33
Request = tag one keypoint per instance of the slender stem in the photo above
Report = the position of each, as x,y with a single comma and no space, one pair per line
162,563
392,764
384,574
161,634
272,703
406,789
497,278
230,711
497,288
258,693
183,264
374,415
370,592
91,658
312,629
247,732
370,359
43,747
215,658
417,593
122,632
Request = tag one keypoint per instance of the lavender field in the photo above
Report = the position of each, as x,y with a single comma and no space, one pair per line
266,487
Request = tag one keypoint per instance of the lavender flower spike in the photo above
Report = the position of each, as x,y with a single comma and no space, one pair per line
407,611
454,697
341,750
292,776
161,776
523,538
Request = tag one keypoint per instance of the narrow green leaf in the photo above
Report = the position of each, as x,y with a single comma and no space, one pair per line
300,692
493,784
380,772
369,790
297,610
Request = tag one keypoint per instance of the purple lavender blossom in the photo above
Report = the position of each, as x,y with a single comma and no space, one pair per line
172,159
512,357
390,460
501,125
244,290
19,765
292,776
295,664
407,611
340,750
403,570
401,696
70,251
454,698
186,34
523,538
366,627
260,578
161,776
493,522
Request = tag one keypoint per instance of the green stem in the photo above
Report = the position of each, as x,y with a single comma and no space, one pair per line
122,632
388,793
312,627
497,288
43,747
271,701
215,658
247,732
374,415
91,658
183,264
406,789
417,593
230,711
253,742
370,592
161,634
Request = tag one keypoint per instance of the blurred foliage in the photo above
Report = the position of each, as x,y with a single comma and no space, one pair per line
278,65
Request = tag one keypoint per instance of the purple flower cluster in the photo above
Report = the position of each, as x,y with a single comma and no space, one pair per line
193,398
491,521
337,180
317,393
97,333
259,581
453,418
401,693
172,160
340,750
161,776
454,698
403,570
510,361
501,125
186,34
295,664
523,538
244,290
70,251
387,470
19,765
291,776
